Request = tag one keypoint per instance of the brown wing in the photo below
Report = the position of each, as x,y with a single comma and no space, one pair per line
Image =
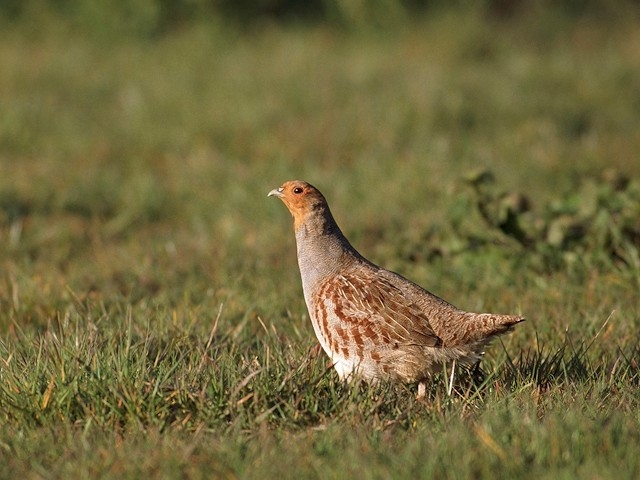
378,312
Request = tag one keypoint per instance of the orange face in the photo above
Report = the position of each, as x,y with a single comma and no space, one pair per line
299,197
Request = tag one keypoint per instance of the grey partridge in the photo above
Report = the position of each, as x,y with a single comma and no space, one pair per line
373,323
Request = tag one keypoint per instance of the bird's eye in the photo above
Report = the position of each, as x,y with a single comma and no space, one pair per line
297,190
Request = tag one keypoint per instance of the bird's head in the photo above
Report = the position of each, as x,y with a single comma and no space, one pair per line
301,198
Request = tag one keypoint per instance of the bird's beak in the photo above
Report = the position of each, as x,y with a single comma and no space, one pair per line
276,192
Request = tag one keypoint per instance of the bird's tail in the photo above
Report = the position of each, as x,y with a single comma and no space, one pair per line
488,325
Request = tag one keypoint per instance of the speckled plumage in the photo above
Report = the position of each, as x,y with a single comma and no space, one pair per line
372,322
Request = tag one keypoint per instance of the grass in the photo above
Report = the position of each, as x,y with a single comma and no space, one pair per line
151,318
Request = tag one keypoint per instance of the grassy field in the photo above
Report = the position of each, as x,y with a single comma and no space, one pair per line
151,317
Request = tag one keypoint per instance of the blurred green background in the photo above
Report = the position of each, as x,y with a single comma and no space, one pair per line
151,315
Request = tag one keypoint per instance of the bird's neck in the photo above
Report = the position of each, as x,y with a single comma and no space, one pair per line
322,248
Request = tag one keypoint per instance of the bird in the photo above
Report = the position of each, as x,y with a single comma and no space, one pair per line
375,324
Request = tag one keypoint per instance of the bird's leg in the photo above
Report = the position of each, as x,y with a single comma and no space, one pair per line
422,390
